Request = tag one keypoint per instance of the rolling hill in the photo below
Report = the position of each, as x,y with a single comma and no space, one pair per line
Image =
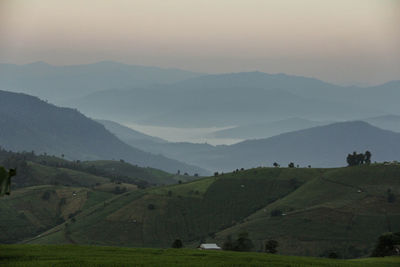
47,190
30,124
342,210
30,211
34,170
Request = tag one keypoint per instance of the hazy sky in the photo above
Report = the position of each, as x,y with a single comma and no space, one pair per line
341,41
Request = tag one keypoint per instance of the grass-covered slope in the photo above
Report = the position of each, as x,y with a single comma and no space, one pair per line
132,173
48,190
29,211
192,211
50,170
342,210
29,255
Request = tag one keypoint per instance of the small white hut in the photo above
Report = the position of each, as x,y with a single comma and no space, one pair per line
209,246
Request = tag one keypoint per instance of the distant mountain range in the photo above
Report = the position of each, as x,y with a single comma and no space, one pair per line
387,122
58,83
267,129
240,99
322,146
171,97
29,123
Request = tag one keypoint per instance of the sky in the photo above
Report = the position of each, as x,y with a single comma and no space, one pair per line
340,41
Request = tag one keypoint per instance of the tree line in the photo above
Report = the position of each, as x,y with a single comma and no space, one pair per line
356,159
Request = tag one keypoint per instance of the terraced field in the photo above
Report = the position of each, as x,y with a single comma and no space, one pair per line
340,210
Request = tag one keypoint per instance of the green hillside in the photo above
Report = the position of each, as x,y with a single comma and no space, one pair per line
342,210
67,255
44,169
63,176
132,173
48,190
30,211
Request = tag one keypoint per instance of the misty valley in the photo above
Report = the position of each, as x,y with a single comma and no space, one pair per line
200,133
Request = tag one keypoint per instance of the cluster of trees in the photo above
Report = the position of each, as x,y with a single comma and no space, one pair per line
388,245
242,243
359,159
290,165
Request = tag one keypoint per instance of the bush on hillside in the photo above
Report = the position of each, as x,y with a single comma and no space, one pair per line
271,246
387,245
177,244
242,243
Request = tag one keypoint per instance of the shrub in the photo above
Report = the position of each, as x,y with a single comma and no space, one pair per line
270,246
386,245
242,243
177,244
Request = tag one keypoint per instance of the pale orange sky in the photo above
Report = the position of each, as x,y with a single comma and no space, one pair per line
340,41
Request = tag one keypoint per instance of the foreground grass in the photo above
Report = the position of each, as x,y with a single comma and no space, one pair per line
70,255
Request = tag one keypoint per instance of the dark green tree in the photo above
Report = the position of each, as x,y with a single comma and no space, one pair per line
368,157
5,180
386,245
228,243
271,246
177,244
243,243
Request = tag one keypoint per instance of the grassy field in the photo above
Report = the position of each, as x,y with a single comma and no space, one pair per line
70,255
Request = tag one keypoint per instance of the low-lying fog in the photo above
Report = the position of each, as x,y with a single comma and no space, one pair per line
192,135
